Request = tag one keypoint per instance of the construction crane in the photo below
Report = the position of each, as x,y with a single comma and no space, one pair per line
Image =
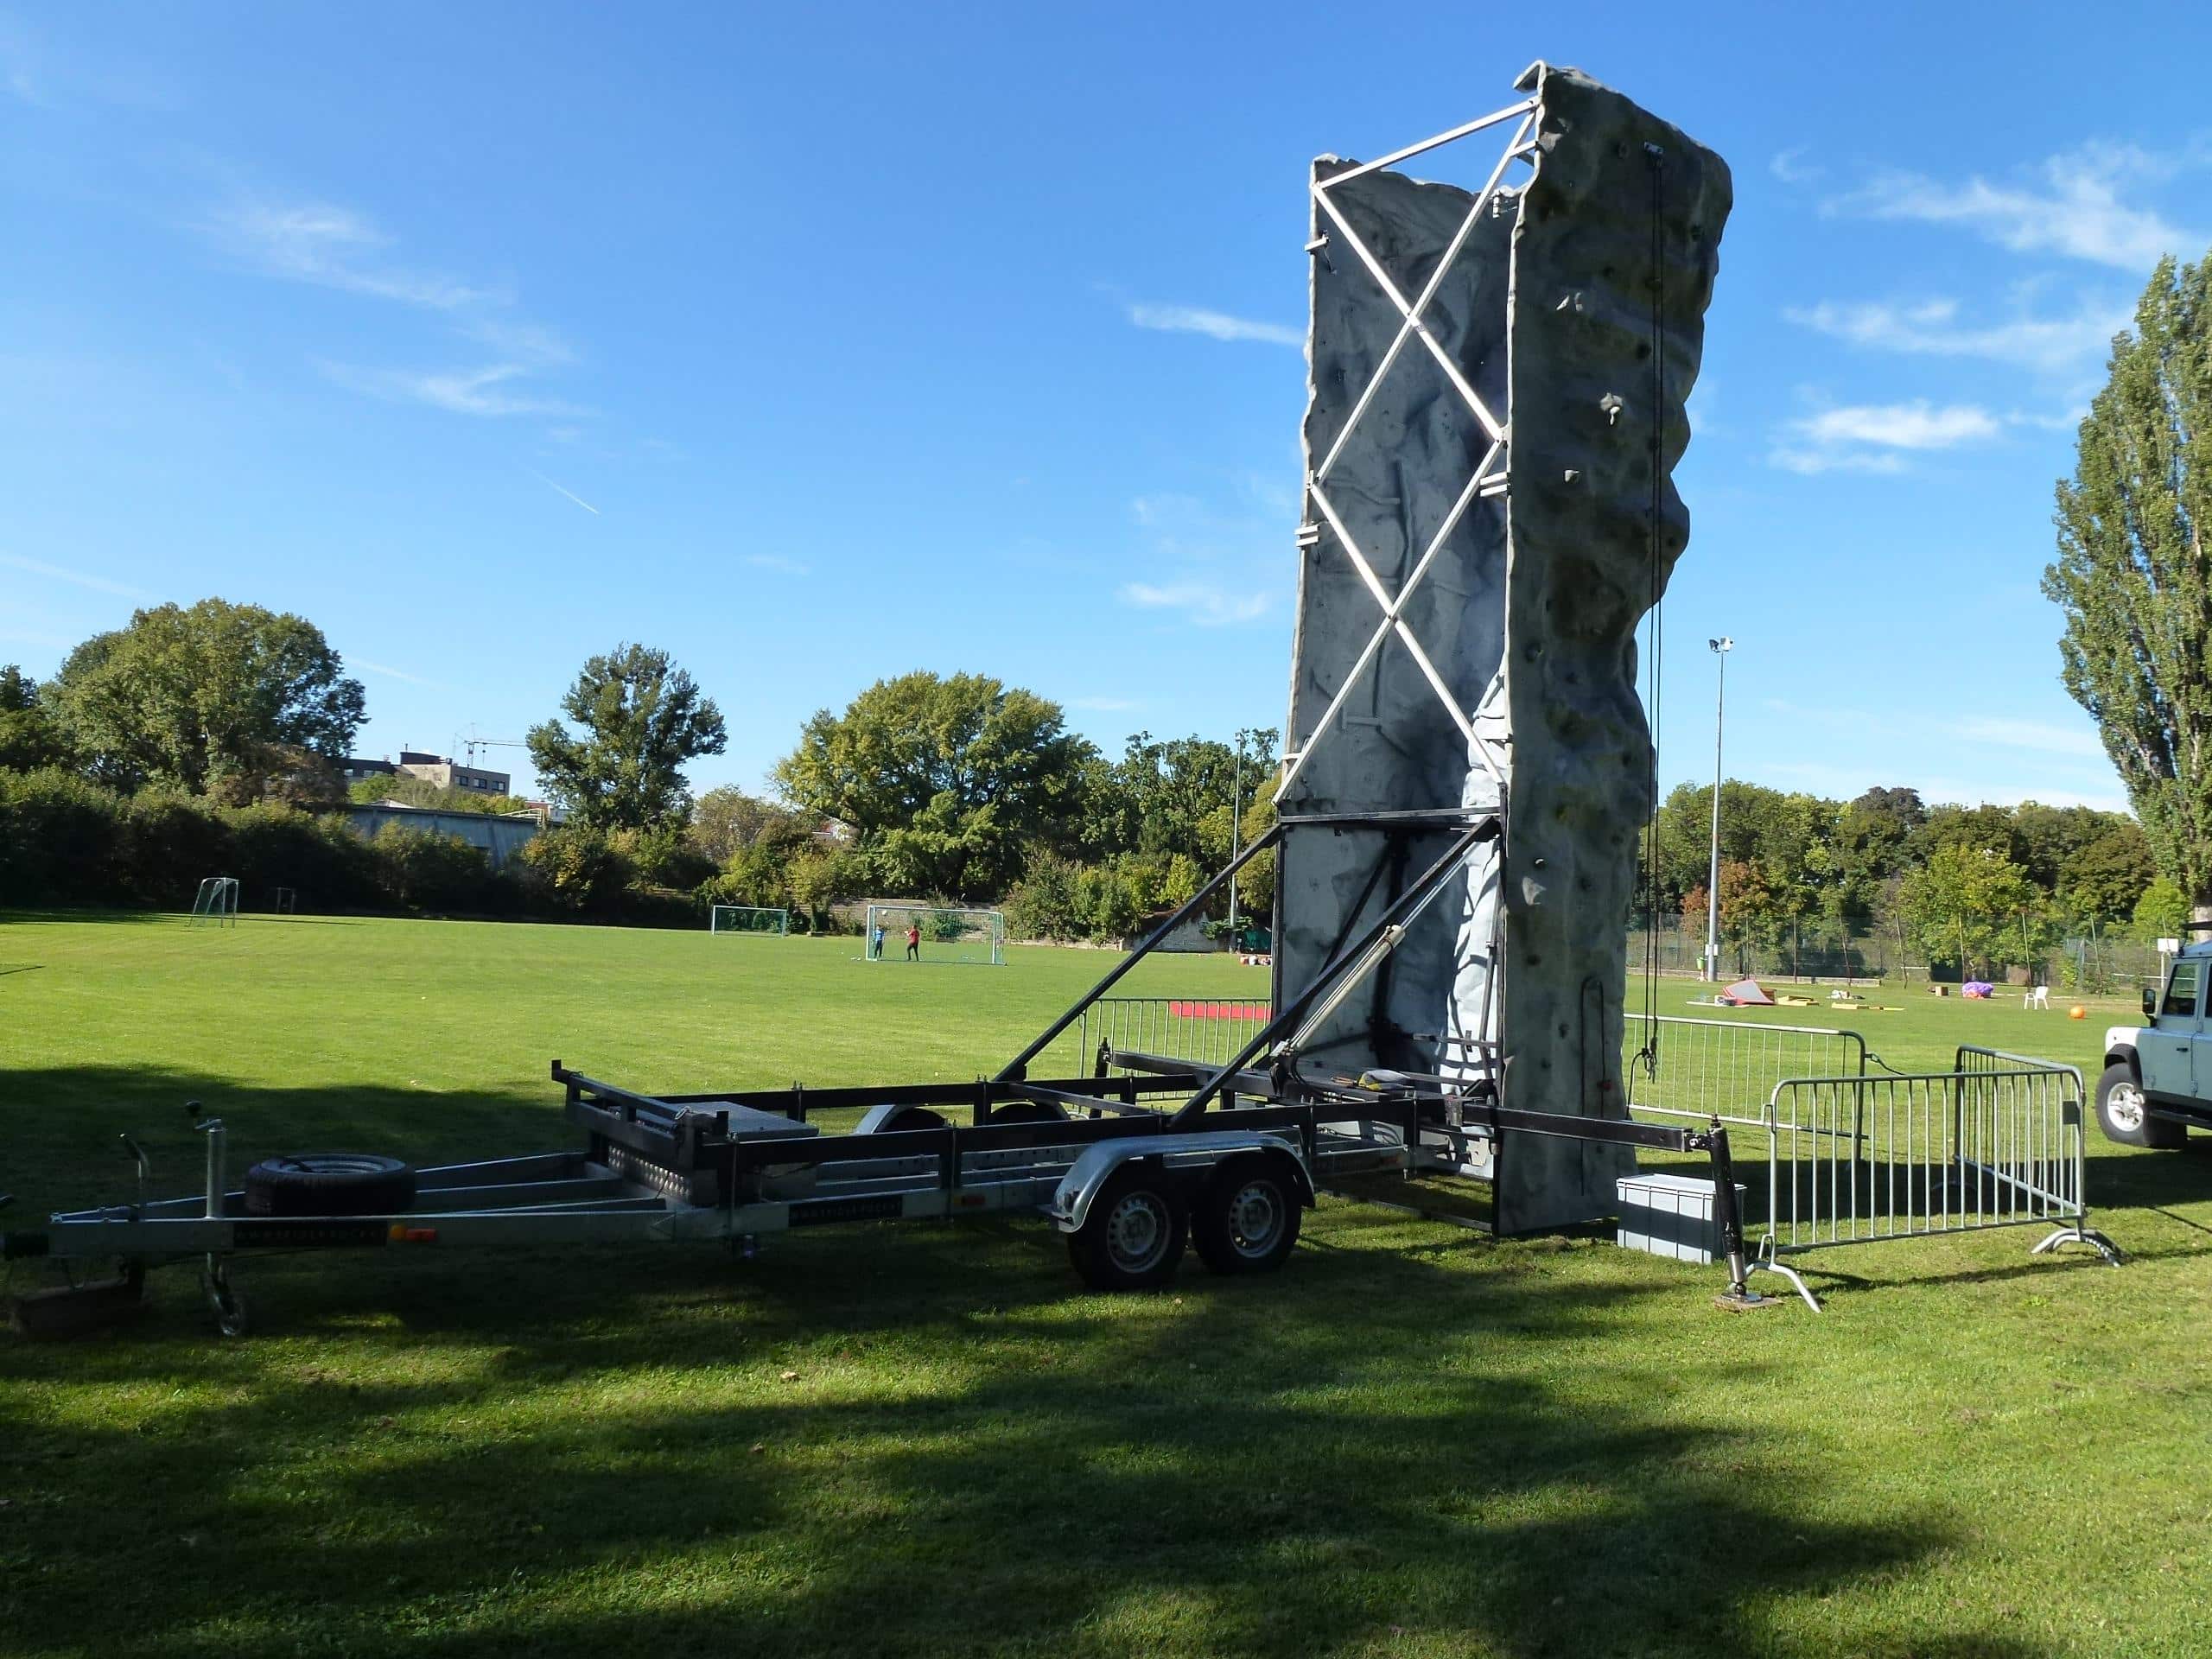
471,744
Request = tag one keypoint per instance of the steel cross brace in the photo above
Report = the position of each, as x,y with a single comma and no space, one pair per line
1489,472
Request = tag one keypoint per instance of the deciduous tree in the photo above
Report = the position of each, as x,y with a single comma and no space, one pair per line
726,821
217,698
950,781
2134,574
28,737
641,719
1966,900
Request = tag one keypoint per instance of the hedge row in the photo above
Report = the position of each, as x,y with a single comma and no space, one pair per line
66,841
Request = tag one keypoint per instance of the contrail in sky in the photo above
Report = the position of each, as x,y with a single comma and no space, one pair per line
571,495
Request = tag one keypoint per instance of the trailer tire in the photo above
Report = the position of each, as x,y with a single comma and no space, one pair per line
1247,1218
2124,1114
906,1118
1028,1112
1133,1236
329,1184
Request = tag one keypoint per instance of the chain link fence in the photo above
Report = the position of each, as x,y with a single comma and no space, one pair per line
1816,951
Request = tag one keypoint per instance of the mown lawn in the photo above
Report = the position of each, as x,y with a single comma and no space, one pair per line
1414,1441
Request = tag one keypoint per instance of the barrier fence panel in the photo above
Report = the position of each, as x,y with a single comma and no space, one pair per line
1998,1141
1206,1031
1728,1068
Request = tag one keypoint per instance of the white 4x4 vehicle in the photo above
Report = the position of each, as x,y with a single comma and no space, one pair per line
2157,1079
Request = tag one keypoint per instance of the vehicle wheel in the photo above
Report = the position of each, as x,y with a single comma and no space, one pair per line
2123,1116
902,1119
329,1184
1134,1236
1027,1111
1248,1219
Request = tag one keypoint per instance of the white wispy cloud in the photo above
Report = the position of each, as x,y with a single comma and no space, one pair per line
329,245
1876,438
562,490
1203,603
98,584
318,242
2071,207
32,637
2041,736
1215,325
481,391
385,671
777,563
1933,327
1790,167
1841,780
531,343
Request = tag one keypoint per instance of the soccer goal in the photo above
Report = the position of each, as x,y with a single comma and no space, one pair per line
216,903
934,933
748,919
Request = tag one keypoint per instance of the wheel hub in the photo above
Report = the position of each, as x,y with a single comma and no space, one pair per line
1255,1218
1136,1231
2124,1105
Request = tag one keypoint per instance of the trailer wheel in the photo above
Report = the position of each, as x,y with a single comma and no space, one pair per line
2125,1117
1027,1111
1247,1219
898,1122
329,1184
1134,1236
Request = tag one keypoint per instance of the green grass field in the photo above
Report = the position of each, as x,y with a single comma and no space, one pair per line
929,1440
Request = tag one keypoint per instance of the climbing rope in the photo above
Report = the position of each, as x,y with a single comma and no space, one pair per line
1655,632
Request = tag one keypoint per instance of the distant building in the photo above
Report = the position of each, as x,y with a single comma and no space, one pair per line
501,838
354,767
442,771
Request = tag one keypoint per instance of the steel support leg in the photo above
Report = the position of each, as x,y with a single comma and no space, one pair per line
1739,1293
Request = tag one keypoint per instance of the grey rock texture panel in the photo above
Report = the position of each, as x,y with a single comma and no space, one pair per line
1553,313
1394,747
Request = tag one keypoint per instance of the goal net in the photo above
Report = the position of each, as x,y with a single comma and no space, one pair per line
748,919
934,933
216,903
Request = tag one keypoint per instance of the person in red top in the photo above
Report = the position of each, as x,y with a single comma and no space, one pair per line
913,941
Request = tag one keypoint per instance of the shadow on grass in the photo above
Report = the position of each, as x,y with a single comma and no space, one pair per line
908,1440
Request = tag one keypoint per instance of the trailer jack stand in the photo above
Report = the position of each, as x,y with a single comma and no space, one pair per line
223,1298
1739,1296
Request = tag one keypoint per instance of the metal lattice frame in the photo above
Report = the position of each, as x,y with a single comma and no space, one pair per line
1490,473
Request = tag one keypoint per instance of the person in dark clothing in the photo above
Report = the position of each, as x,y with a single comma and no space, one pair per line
913,941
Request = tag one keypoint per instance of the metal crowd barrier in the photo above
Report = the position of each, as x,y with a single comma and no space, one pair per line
1997,1142
1204,1030
1710,1069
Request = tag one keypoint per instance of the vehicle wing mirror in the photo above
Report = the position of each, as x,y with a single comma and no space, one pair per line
2149,1003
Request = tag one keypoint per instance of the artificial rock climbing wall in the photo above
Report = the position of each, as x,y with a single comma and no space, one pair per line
1573,309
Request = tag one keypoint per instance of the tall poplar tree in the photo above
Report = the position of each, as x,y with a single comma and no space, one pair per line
2134,576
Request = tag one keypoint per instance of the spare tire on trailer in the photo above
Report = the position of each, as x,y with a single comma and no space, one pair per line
329,1184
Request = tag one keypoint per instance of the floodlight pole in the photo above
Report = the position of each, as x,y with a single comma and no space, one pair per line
1720,648
1235,823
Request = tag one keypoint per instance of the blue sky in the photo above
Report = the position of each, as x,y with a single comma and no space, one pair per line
818,343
